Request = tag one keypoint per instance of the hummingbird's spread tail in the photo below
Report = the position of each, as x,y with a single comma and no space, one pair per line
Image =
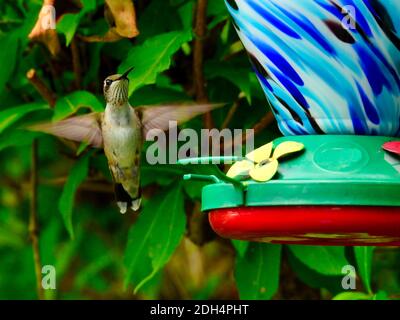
124,200
123,206
136,204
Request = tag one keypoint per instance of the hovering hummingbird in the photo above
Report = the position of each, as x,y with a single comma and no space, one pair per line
120,130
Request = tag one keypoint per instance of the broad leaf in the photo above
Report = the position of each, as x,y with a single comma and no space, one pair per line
69,22
150,95
18,138
239,76
162,175
325,260
152,57
257,272
313,278
155,236
216,7
186,14
363,257
66,203
381,295
11,115
352,295
152,22
93,68
69,104
68,25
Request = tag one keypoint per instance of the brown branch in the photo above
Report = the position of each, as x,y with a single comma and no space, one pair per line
232,112
49,96
76,63
33,221
257,128
198,59
265,121
230,115
41,87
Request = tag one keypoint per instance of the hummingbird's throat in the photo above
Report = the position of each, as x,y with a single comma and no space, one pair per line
118,93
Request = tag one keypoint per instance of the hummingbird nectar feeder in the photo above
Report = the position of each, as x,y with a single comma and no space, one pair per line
331,71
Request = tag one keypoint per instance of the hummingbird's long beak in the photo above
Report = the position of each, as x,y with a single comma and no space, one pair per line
125,74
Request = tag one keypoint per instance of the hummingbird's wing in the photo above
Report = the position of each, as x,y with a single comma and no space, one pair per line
86,128
158,117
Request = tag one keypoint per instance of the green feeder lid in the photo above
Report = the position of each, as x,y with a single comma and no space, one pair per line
331,170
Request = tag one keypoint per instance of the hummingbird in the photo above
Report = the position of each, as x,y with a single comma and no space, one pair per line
120,130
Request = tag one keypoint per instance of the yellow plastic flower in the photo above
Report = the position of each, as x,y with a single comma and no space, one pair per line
260,165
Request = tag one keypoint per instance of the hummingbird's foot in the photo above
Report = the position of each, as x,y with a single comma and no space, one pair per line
136,204
123,206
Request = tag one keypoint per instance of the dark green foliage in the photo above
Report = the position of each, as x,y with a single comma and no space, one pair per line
257,272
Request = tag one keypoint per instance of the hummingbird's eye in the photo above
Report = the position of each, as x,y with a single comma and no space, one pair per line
108,82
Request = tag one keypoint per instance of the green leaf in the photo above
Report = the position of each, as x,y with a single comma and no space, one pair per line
68,25
152,57
257,273
18,138
351,295
313,278
162,175
67,252
66,203
216,8
363,257
152,20
11,115
89,5
69,104
186,14
94,56
381,295
155,236
240,247
8,56
82,147
239,76
150,95
92,270
325,260
69,22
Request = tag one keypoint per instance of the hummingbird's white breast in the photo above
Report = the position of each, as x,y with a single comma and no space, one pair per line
122,136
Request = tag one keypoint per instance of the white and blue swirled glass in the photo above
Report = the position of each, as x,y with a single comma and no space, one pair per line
325,67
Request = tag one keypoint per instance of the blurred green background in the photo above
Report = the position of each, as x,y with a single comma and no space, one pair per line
168,251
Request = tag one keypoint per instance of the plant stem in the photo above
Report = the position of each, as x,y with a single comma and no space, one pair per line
198,59
50,97
41,87
262,124
33,220
257,128
231,112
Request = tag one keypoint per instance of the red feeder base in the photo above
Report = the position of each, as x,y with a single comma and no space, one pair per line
310,225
